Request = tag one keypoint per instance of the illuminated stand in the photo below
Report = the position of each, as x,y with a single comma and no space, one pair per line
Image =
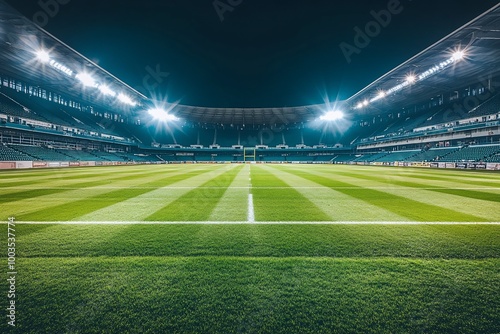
412,78
86,79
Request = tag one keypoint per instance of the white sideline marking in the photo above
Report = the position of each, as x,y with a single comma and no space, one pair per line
246,222
251,213
209,187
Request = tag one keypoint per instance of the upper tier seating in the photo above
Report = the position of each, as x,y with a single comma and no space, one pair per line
472,153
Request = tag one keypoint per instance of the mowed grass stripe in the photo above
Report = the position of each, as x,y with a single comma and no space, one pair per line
485,178
281,204
475,179
400,205
75,183
90,199
463,174
276,240
479,181
467,207
197,204
23,206
233,205
339,206
487,210
139,207
66,174
487,195
441,172
79,176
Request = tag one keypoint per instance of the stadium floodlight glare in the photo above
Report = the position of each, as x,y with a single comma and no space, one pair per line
86,79
105,90
333,115
452,58
411,78
60,67
381,94
161,115
364,103
458,55
126,99
43,56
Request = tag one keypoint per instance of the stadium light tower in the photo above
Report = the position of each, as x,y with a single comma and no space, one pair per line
332,116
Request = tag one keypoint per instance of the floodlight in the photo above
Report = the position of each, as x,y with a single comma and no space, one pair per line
453,57
43,56
61,67
411,78
126,99
458,55
334,115
161,115
106,90
86,79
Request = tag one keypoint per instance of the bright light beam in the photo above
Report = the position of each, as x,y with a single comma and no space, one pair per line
126,99
455,57
86,79
331,116
411,78
106,90
458,55
161,115
43,56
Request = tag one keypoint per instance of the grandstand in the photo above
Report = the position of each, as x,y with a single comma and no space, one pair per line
459,122
252,220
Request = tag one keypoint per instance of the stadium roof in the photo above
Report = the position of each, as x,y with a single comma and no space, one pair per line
21,39
479,40
250,116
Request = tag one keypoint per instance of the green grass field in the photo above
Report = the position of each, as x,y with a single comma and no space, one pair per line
253,249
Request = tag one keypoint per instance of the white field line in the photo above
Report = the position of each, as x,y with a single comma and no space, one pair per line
251,213
247,222
193,187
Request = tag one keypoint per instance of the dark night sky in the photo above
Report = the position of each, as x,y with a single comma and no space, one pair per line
265,53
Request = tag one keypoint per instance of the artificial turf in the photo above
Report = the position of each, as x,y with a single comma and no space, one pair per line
248,277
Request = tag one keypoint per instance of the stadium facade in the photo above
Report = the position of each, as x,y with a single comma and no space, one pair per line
441,108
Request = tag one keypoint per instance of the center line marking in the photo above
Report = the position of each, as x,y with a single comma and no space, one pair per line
251,214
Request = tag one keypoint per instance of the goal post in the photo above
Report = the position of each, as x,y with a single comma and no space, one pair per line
249,154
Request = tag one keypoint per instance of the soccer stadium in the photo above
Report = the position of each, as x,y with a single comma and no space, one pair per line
125,213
